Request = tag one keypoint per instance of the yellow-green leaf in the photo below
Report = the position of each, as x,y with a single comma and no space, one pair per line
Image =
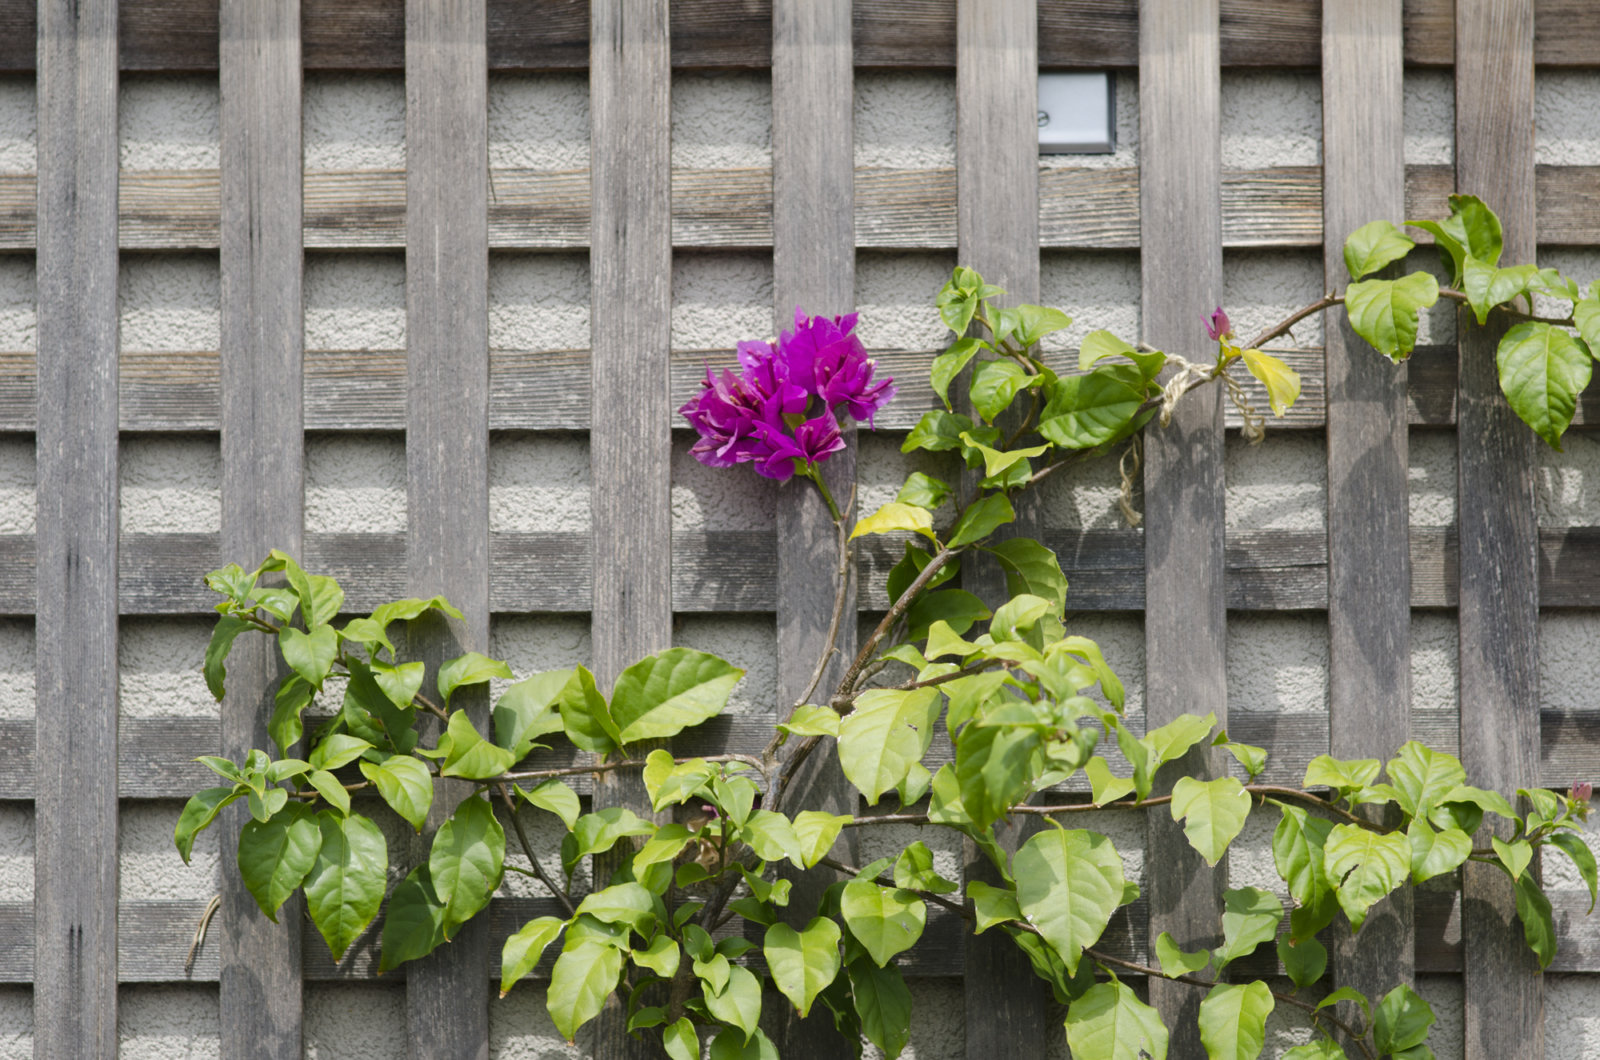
1281,381
896,516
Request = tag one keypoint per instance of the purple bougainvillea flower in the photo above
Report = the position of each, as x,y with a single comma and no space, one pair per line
785,404
1582,790
1217,325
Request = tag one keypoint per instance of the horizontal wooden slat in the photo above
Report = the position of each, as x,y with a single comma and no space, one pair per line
154,938
181,35
732,571
732,208
365,390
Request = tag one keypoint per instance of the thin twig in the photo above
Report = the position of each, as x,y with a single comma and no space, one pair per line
200,932
527,850
609,767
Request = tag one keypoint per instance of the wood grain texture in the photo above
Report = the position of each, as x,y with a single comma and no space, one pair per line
1369,570
180,35
997,233
263,461
75,674
1185,590
447,436
1499,557
813,265
630,440
1079,209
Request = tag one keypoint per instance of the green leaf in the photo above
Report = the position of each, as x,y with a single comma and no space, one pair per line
996,766
669,783
1374,245
1582,858
222,635
738,1003
1423,777
1109,1022
937,431
412,607
1343,776
1586,314
1069,882
1538,924
884,1004
1098,345
994,461
598,832
1177,961
198,813
1250,917
663,694
1401,1021
320,597
1384,312
731,1044
365,703
346,883
275,855
772,837
914,871
981,519
470,755
802,963
311,654
1174,739
1305,960
231,581
992,905
1435,853
1281,381
368,634
680,1040
1034,322
994,384
585,716
923,491
1233,1020
948,365
661,956
896,516
293,696
466,861
622,903
1213,812
1472,229
957,608
580,982
888,731
885,920
328,786
1487,286
522,951
405,784
817,830
472,668
413,923
1089,410
339,749
1105,787
1366,866
1514,856
556,797
1031,568
400,683
1542,372
810,720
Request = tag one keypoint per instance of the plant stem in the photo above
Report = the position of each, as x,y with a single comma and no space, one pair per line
527,850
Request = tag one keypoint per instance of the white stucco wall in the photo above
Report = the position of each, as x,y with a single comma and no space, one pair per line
540,481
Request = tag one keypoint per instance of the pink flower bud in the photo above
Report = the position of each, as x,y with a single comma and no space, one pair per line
1217,325
1582,790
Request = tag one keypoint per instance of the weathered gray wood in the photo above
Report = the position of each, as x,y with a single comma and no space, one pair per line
813,263
262,466
1185,622
997,233
75,805
1499,567
630,438
447,433
1369,572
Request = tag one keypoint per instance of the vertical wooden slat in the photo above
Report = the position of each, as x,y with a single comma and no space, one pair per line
1369,569
630,441
447,430
813,251
1185,621
75,865
997,233
262,462
1499,608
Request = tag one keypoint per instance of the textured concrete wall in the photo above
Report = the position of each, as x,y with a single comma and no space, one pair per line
540,482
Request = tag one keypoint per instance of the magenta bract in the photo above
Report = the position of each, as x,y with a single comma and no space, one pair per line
786,402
